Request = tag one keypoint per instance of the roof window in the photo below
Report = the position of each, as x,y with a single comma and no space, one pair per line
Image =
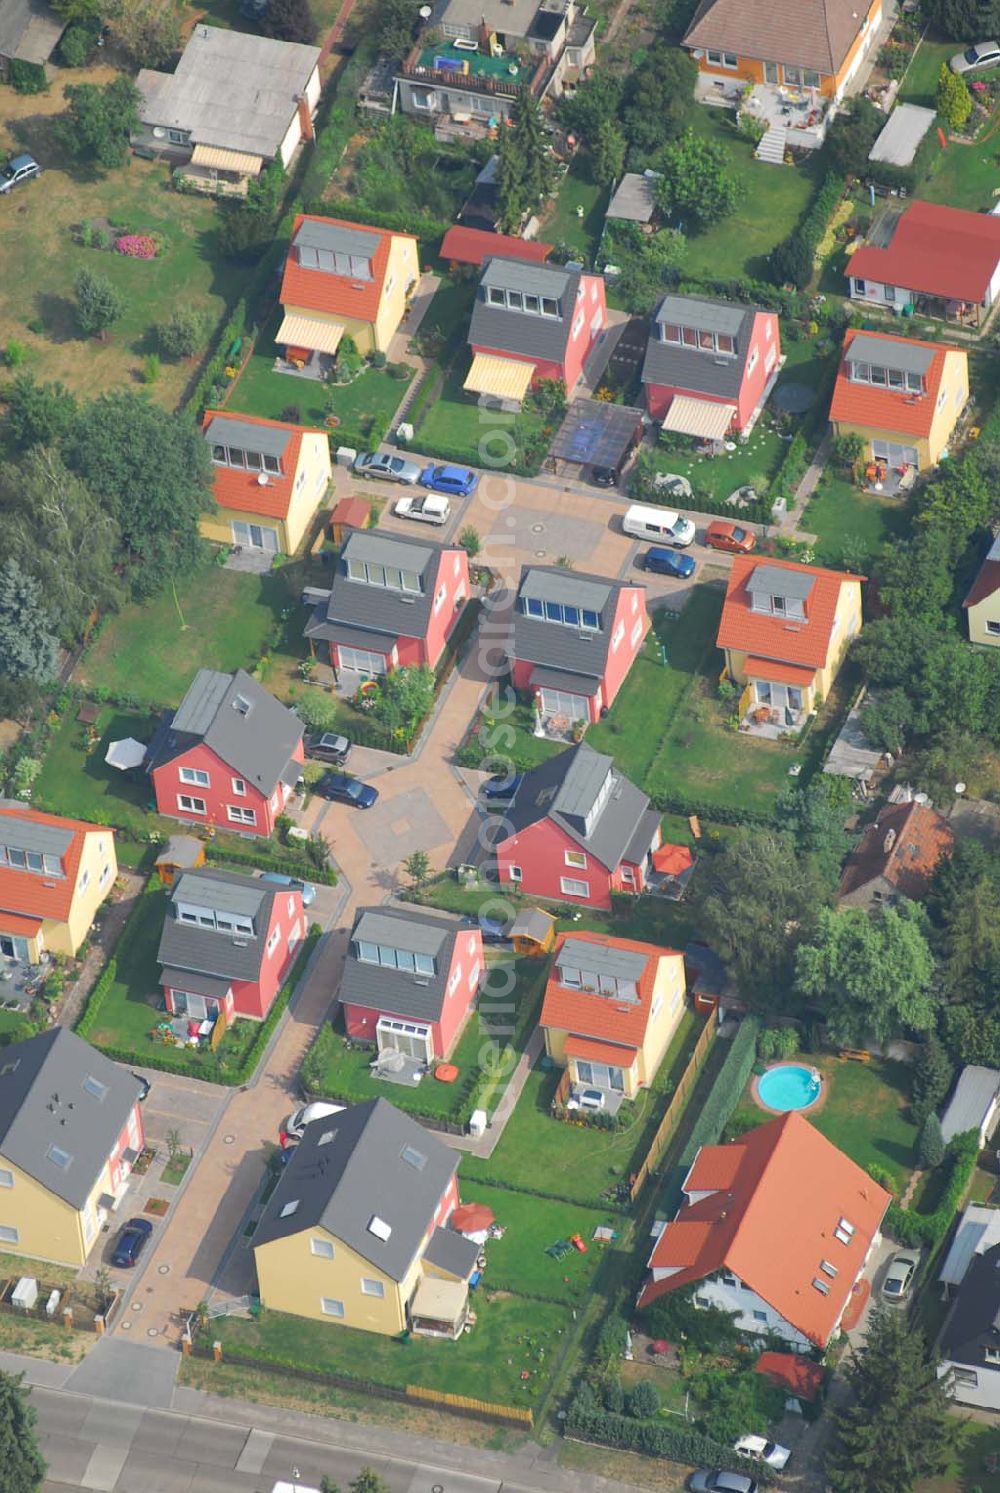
95,1088
61,1158
379,1228
414,1158
822,1287
289,1208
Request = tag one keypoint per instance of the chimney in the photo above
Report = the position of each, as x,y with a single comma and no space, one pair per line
889,841
305,118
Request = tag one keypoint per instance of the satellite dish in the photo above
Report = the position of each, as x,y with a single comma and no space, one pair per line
960,787
159,133
261,479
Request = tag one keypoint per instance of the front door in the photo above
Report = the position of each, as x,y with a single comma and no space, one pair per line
255,537
198,1007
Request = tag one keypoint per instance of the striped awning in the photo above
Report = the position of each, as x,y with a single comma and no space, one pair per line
317,336
504,378
699,417
226,160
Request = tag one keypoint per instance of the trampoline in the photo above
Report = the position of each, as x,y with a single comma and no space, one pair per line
596,434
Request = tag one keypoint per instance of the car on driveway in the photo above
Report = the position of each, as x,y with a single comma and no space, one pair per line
131,1242
389,468
292,1128
732,538
327,746
458,480
338,787
501,788
17,171
275,878
981,54
425,508
669,562
898,1282
721,1481
762,1450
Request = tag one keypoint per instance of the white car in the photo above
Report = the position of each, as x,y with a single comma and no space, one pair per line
763,1450
293,1127
982,54
426,508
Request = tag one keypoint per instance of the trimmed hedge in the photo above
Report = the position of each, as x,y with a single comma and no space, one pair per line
97,997
792,259
656,1439
285,865
917,1229
421,226
673,803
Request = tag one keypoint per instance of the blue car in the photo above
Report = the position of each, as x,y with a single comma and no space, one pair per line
457,480
131,1242
342,789
274,878
501,789
669,562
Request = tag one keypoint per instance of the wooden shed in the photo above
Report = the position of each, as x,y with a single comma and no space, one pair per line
181,853
533,933
348,514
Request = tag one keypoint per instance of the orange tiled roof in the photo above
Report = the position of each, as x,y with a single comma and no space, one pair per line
892,410
788,1181
767,637
600,1016
769,668
601,1052
35,896
799,1376
917,839
13,922
337,295
241,491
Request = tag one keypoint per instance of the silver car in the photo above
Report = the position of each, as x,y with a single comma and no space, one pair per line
898,1281
983,54
389,468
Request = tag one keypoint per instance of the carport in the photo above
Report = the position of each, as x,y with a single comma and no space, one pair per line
595,433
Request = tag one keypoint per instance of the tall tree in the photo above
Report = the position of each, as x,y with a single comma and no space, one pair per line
28,646
697,187
22,1466
37,414
525,164
871,975
659,100
899,1427
289,20
396,23
608,153
149,33
815,816
932,1074
99,120
597,100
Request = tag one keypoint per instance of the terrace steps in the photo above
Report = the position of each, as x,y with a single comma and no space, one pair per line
771,147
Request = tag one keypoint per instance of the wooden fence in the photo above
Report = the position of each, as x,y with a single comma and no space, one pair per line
465,1405
675,1109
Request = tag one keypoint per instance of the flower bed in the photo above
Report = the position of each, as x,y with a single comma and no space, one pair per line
136,245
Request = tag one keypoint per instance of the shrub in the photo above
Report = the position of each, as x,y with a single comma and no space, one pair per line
930,1142
27,77
182,334
916,1229
77,46
883,1176
792,259
644,1401
98,303
14,353
151,369
614,1397
136,245
954,101
586,1420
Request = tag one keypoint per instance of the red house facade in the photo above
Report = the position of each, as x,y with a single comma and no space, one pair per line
575,639
710,366
577,831
230,755
227,943
410,981
532,322
393,604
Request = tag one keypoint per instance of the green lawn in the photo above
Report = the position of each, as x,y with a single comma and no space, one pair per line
512,1335
839,510
919,86
564,224
453,426
518,1261
964,176
364,407
970,1470
76,781
578,1163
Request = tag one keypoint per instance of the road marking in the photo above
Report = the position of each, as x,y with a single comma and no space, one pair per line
255,1451
104,1467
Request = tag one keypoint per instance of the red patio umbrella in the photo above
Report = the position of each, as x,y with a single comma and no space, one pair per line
672,860
472,1218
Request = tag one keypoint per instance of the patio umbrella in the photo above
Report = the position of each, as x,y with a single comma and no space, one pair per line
125,754
672,860
472,1218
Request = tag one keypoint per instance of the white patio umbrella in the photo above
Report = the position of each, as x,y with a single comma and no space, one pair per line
125,754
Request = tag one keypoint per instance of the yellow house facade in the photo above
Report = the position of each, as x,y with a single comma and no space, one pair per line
270,478
344,279
54,875
982,604
908,425
313,1274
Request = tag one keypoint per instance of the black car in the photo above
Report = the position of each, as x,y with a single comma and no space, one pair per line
327,746
144,1087
338,787
605,476
501,789
131,1242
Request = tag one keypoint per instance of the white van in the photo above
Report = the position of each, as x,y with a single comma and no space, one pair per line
660,524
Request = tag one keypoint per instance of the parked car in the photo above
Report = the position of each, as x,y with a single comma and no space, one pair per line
389,468
501,788
426,509
899,1277
605,476
327,746
293,1126
981,54
721,1482
586,1099
458,480
144,1087
275,878
721,535
771,1452
18,170
659,524
669,562
131,1242
493,930
342,789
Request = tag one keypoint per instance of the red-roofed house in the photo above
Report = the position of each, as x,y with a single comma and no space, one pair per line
902,397
54,874
462,245
794,1374
269,480
896,856
343,279
776,1228
943,260
785,629
611,1007
982,604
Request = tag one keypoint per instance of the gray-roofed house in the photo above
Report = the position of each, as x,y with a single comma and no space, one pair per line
575,637
226,945
393,604
234,104
29,33
356,1232
229,755
576,831
410,981
969,1345
978,1230
973,1105
531,322
70,1134
710,366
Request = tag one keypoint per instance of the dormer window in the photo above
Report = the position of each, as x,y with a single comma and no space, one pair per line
389,576
390,958
243,460
557,611
702,339
495,296
550,307
880,377
30,860
352,266
518,300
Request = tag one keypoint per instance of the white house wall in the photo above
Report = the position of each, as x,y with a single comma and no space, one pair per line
863,50
744,1302
994,288
293,136
985,1393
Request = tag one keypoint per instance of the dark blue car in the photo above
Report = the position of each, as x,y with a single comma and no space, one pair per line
669,562
131,1242
457,480
342,789
501,789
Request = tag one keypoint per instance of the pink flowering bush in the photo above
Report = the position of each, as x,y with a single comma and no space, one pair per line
136,245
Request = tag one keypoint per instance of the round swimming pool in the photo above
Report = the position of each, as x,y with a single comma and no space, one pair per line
789,1086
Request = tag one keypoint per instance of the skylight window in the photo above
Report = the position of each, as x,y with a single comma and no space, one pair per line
289,1209
95,1088
60,1157
822,1287
828,1269
325,1138
414,1158
379,1228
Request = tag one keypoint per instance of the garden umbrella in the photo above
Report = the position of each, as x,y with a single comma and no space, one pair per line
472,1218
125,754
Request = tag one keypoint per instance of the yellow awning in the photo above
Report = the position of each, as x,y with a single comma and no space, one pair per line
440,1300
317,336
504,378
700,417
226,160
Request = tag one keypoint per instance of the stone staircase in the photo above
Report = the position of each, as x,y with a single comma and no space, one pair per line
772,145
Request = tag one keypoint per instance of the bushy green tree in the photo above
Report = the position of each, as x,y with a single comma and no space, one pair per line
815,816
28,645
99,120
644,1400
404,698
953,99
871,975
851,136
930,1142
658,100
608,153
183,333
698,187
148,33
99,304
932,1074
396,22
37,414
596,101
22,1466
289,20
525,165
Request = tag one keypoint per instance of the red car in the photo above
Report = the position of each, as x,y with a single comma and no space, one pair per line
722,536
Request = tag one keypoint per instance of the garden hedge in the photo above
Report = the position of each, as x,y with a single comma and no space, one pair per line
917,1229
261,860
96,998
655,1438
792,259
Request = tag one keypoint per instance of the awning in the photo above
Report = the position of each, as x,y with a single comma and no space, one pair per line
700,417
600,1052
779,673
673,860
504,378
16,925
439,1300
125,754
317,336
585,685
226,160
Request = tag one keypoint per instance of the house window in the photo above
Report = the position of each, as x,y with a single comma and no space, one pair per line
723,59
331,1308
292,1206
8,1235
960,1376
550,307
514,300
238,815
636,633
177,137
760,1316
62,1159
728,1279
752,361
371,1287
105,874
993,628
617,635
191,805
322,1248
272,942
571,887
577,859
628,875
6,1177
514,872
95,1088
494,296
577,324
239,787
84,881
195,777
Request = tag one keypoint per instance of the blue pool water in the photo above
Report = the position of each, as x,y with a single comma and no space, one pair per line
789,1087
